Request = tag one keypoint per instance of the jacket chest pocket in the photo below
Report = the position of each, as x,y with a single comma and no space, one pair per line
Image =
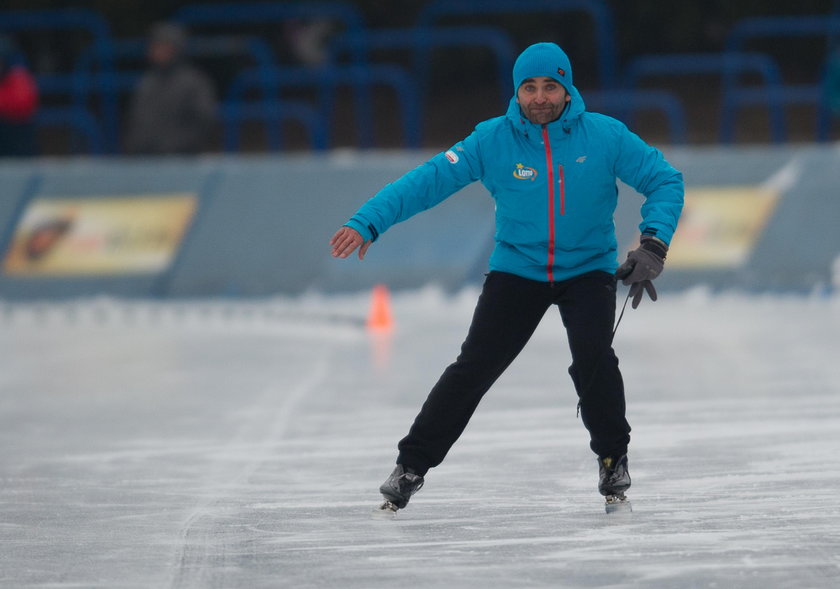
587,177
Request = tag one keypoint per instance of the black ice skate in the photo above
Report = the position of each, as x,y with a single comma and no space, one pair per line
613,481
398,489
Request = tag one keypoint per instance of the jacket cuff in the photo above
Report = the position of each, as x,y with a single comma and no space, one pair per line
366,230
653,244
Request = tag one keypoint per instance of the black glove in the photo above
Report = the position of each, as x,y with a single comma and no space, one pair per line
643,264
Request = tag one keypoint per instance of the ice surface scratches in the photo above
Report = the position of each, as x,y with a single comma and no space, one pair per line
224,444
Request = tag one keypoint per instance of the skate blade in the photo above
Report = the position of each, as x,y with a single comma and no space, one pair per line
617,504
385,511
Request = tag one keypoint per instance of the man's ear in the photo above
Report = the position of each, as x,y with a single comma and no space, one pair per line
568,98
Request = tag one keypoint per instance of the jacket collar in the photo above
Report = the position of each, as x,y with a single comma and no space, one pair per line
556,129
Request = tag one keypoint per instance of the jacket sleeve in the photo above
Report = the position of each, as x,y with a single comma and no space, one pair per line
420,189
644,168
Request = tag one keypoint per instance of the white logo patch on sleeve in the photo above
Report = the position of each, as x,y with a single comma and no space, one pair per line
452,157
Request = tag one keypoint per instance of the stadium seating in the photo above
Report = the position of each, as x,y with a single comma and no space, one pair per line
87,99
728,67
318,122
598,11
823,27
71,110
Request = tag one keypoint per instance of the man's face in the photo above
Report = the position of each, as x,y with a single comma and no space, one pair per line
542,99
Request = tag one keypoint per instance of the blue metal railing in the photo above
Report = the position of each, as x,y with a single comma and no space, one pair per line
421,41
623,104
74,116
271,113
258,12
597,10
96,76
324,80
752,28
88,72
240,13
785,27
728,66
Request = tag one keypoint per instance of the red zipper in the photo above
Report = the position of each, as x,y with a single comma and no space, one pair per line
551,229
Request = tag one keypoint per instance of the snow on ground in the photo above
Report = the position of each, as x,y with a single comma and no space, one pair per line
241,444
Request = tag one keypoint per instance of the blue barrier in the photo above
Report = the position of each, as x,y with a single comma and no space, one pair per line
817,25
781,26
80,122
68,19
263,223
197,46
272,113
622,104
96,124
596,9
325,80
260,12
88,80
76,116
421,41
728,66
225,14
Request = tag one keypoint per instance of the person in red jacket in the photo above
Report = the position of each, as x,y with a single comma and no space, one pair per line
18,103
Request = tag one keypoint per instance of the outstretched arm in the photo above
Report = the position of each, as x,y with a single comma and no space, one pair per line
346,240
418,190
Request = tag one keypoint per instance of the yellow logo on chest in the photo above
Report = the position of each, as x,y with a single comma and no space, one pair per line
522,172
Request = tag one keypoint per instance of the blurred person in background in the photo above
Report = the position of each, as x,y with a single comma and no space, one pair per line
551,168
174,108
18,103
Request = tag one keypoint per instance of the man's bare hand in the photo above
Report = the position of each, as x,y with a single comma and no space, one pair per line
346,240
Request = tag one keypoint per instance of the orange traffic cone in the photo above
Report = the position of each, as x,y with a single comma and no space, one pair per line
380,318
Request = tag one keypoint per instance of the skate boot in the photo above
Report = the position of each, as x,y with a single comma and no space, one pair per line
613,480
398,489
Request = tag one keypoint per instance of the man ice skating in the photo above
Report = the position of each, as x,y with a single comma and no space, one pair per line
551,168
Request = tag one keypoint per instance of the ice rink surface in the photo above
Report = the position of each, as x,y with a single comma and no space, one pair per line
235,444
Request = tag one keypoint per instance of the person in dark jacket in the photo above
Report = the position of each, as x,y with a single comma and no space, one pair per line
174,108
551,168
18,103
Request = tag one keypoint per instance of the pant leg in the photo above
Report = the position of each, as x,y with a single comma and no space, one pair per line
508,311
587,306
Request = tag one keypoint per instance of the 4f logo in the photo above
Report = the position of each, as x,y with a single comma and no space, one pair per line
523,172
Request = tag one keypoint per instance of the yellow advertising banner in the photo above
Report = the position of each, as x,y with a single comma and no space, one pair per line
720,225
99,236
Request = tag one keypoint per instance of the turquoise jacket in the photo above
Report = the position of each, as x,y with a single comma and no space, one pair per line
554,186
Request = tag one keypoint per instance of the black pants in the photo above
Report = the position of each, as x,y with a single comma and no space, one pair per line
507,314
